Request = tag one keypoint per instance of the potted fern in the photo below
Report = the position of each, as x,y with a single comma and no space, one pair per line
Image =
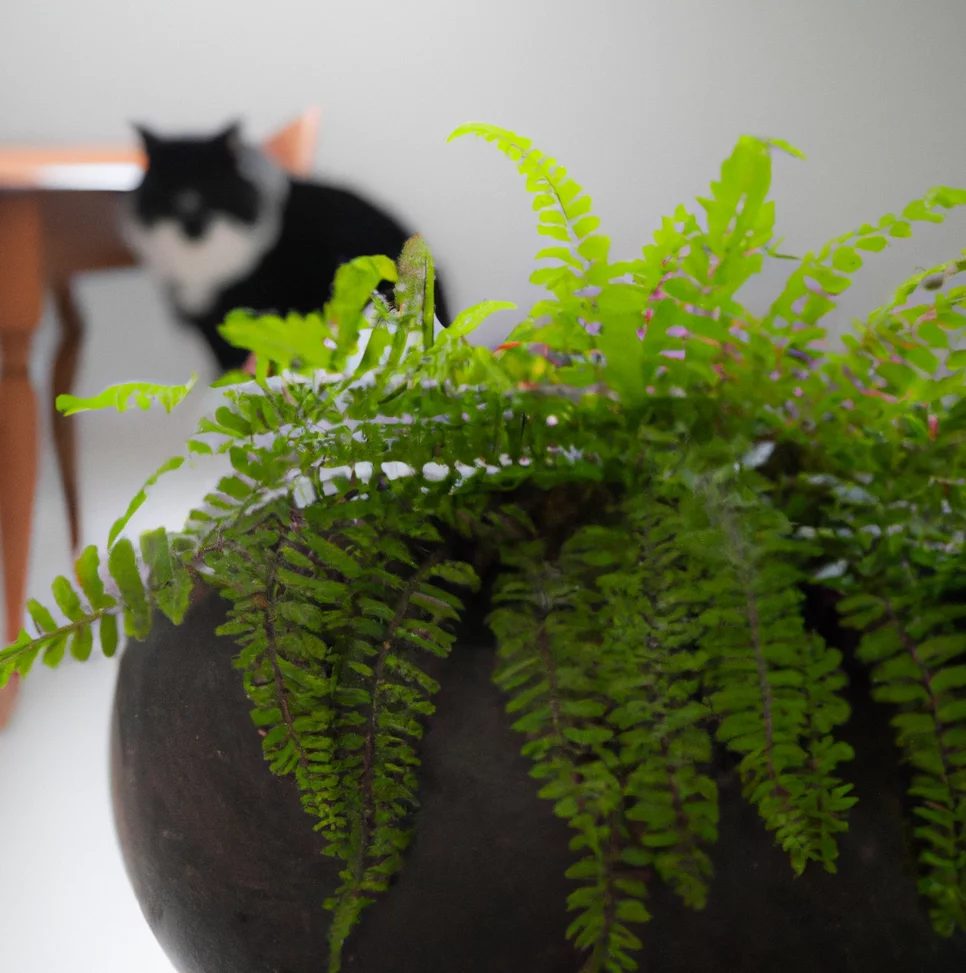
701,541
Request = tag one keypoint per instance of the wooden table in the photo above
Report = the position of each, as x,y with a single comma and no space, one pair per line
59,218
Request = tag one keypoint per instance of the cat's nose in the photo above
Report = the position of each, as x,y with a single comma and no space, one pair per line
194,227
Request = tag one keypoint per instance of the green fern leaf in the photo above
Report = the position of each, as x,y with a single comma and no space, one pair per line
123,566
122,397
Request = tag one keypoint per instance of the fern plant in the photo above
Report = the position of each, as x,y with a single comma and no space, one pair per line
658,473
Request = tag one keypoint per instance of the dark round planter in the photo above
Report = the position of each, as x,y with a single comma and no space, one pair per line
228,873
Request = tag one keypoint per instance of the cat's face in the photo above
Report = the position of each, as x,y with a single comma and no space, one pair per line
194,182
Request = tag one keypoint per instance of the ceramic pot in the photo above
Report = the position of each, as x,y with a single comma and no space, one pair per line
228,872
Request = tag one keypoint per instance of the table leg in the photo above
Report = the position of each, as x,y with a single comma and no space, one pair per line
64,428
80,234
21,304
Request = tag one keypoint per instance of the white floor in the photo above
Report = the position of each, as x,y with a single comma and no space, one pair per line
65,902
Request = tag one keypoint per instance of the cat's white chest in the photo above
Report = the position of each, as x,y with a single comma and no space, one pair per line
198,270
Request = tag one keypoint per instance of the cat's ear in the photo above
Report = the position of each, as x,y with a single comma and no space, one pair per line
230,137
149,141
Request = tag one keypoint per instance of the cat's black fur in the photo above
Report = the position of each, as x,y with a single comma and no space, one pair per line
193,182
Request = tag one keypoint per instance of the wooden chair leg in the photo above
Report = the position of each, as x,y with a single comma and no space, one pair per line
8,698
62,383
21,302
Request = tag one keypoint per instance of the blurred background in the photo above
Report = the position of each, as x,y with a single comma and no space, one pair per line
640,99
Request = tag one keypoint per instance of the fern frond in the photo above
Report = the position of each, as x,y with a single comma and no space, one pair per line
773,685
914,639
810,292
123,397
912,669
415,289
597,654
564,210
649,667
137,502
313,342
330,637
539,670
92,614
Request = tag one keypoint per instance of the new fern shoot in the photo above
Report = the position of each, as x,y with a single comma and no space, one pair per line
658,473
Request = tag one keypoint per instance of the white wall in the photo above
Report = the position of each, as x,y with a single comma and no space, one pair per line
641,99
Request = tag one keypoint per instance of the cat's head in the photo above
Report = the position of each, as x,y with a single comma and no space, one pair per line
195,181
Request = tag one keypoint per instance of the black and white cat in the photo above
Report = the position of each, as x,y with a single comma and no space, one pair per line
223,227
